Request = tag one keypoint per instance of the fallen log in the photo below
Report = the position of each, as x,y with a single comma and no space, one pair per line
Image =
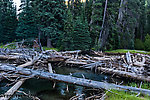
125,74
72,80
12,90
132,75
10,57
71,52
102,58
75,62
55,58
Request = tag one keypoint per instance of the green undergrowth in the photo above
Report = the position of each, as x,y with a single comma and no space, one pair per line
11,46
124,95
126,50
46,48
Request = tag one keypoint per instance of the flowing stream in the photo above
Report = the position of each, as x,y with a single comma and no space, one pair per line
44,88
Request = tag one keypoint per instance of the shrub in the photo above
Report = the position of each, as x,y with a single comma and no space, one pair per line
147,42
139,45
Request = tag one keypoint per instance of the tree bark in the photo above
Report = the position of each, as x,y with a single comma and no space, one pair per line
49,45
72,80
105,10
92,15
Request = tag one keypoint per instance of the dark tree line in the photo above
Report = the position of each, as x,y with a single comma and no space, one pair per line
72,24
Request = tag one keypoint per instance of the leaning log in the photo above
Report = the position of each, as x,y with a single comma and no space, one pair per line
12,90
71,80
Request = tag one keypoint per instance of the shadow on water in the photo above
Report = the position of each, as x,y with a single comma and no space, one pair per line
44,88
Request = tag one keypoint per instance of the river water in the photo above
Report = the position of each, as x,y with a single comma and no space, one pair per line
44,88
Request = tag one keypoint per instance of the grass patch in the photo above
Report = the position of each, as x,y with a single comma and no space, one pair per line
46,48
122,95
126,50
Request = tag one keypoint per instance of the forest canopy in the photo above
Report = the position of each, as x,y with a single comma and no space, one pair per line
74,24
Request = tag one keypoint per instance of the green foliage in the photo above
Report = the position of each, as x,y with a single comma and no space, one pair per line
96,20
8,21
147,42
27,27
139,45
78,25
81,35
67,39
50,17
46,48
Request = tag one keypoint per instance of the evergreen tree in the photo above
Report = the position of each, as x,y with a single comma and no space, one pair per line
50,17
88,10
67,39
147,23
81,35
8,21
27,27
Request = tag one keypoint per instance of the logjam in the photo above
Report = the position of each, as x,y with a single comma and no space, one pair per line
71,80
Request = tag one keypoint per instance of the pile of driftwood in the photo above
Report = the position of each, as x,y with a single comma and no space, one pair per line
28,63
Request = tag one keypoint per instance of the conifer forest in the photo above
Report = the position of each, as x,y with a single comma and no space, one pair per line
75,50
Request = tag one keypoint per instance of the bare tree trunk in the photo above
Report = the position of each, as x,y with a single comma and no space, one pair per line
39,40
104,17
49,45
120,18
120,15
92,15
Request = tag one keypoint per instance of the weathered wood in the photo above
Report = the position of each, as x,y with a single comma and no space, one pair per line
50,68
72,80
12,90
92,65
75,62
102,58
128,58
71,52
125,74
140,64
10,57
55,58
